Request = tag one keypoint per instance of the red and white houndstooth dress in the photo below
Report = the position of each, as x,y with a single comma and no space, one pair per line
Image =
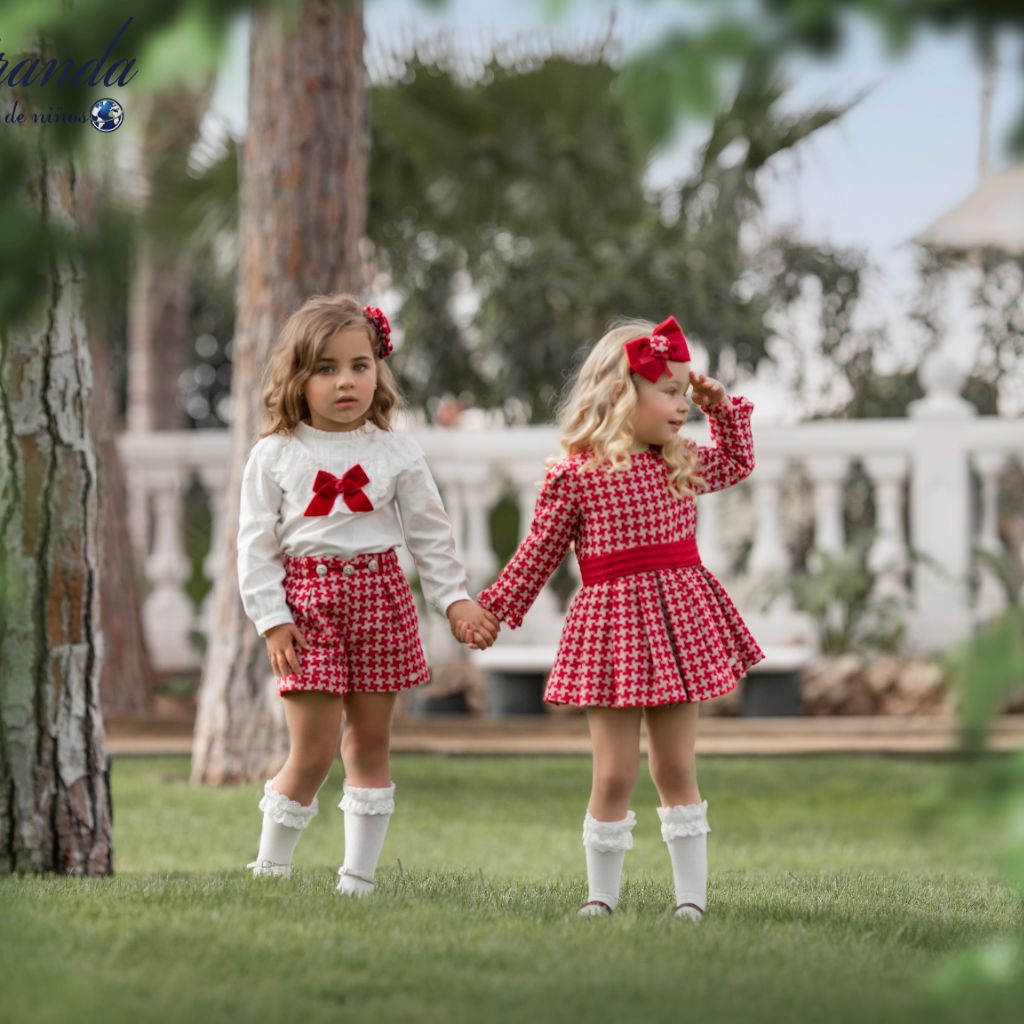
651,625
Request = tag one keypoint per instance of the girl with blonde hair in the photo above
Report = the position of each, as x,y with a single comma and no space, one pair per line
328,493
651,632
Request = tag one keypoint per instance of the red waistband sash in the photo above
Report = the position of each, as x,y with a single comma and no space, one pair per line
640,559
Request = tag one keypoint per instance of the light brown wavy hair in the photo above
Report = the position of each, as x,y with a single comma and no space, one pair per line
596,413
296,355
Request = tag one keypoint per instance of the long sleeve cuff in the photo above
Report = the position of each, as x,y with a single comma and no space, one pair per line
730,406
272,619
444,601
498,602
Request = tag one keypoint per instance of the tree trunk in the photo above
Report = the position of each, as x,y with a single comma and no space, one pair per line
127,679
159,332
302,218
160,296
54,775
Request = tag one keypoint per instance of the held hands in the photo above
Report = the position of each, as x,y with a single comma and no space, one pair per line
473,625
281,650
707,392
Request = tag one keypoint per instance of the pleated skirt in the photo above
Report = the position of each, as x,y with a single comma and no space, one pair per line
651,638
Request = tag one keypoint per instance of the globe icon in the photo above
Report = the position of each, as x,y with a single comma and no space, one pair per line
106,115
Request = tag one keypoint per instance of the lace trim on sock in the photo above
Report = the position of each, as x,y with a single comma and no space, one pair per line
684,820
361,800
285,811
609,836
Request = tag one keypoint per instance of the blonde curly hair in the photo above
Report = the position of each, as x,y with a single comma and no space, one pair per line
297,353
596,413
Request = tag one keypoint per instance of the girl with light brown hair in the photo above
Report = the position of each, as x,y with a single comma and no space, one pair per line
328,493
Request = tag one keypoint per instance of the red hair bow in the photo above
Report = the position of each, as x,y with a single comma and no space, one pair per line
326,487
649,356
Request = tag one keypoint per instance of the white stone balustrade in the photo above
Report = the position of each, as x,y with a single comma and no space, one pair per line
944,456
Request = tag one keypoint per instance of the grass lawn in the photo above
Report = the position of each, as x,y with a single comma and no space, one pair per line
837,886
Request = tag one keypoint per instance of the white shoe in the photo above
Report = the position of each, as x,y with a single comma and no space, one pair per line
689,911
594,908
351,883
269,867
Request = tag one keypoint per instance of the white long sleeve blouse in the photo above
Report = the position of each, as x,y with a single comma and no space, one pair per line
277,487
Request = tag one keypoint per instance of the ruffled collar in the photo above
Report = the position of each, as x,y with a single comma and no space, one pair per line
366,429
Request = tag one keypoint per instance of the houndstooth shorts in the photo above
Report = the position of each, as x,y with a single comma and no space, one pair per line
359,620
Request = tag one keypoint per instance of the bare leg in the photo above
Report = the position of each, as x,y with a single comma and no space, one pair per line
615,738
671,736
366,739
314,720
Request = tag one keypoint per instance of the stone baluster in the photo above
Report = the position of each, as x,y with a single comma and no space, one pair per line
827,475
887,558
768,557
990,598
213,477
139,519
474,488
940,507
168,613
768,564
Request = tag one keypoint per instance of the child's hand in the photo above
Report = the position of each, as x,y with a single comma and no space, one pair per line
473,624
281,650
465,634
707,392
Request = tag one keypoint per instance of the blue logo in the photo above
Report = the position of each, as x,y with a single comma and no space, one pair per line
106,115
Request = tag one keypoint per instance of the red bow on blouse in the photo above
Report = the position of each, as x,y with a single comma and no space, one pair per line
326,487
649,356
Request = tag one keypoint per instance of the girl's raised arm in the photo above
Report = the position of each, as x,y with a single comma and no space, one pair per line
260,567
730,456
554,525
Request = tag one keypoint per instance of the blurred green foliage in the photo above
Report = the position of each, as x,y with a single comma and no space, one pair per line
987,670
522,193
687,73
175,44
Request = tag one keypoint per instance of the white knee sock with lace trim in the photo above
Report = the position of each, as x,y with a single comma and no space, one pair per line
685,829
606,843
283,822
367,813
